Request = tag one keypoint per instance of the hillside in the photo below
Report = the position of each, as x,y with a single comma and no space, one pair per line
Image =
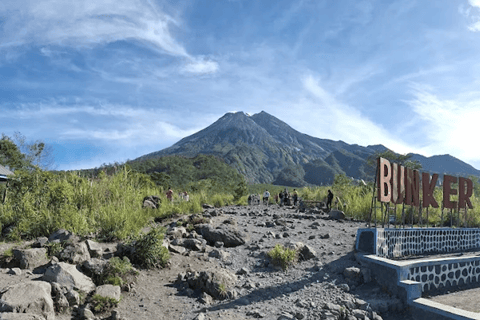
267,150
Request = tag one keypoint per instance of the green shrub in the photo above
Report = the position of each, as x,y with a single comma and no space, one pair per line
54,248
118,272
148,251
283,257
103,304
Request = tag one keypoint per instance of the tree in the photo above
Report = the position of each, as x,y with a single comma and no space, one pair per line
36,153
10,154
402,159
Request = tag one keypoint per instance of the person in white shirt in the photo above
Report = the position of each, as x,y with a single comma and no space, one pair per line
266,196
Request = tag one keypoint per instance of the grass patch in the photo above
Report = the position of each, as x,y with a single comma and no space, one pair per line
283,257
103,304
148,251
119,272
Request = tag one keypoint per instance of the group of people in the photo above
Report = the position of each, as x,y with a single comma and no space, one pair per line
284,196
182,195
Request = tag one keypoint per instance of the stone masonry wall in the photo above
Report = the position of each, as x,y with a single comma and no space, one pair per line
397,243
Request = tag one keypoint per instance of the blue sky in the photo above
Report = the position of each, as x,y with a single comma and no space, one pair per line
105,81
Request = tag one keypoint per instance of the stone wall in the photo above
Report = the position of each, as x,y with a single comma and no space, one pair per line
397,243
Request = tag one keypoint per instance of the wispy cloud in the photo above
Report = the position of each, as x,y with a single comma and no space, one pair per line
201,66
448,125
101,123
89,22
330,118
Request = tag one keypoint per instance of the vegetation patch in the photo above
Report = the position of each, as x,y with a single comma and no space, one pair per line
103,304
119,272
283,257
147,250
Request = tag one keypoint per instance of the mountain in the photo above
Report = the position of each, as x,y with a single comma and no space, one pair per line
267,150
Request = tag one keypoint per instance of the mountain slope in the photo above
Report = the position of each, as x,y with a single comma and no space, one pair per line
267,150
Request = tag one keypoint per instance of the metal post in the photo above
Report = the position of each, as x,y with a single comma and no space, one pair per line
427,217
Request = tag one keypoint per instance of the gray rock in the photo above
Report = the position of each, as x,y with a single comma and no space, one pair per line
40,242
256,314
205,298
14,271
109,291
28,297
62,235
216,283
336,214
307,253
30,258
344,287
75,253
20,316
352,274
200,316
94,248
224,233
176,249
243,271
68,276
94,267
177,232
219,254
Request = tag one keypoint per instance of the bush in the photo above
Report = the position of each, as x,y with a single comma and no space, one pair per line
148,251
282,256
102,304
118,272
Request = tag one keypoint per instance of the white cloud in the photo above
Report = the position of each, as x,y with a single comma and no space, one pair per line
101,123
449,125
474,3
201,66
87,22
320,114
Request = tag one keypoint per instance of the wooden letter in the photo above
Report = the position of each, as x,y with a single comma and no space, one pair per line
447,191
464,195
384,176
412,187
428,189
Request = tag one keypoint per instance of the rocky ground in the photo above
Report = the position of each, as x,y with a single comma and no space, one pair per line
220,269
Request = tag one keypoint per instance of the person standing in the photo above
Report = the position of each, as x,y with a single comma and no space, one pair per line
329,200
295,197
266,196
170,194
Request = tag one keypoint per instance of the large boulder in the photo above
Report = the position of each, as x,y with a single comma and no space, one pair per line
30,258
224,233
61,236
33,297
217,283
20,316
75,253
68,276
94,248
152,202
109,291
336,214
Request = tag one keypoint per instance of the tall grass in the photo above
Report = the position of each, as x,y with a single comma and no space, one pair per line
40,203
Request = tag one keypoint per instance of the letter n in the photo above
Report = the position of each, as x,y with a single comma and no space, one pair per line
412,187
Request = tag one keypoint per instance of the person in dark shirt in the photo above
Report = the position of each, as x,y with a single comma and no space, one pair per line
329,200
